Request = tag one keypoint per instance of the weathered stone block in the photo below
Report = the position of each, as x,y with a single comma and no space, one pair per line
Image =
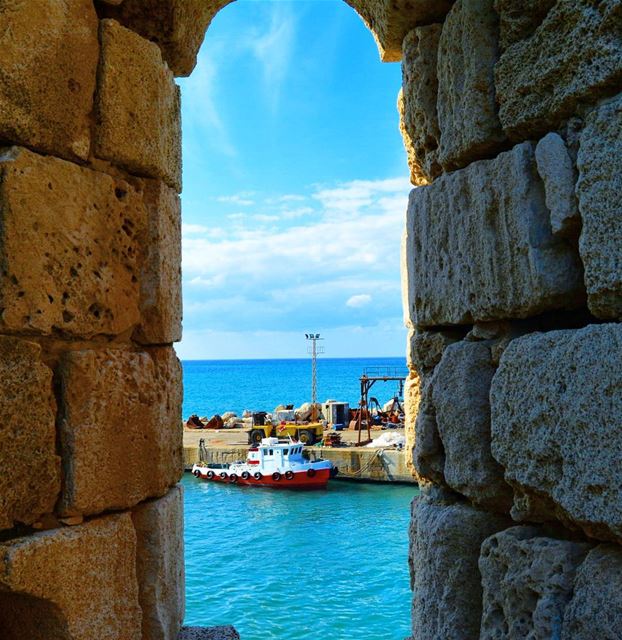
527,580
428,453
176,26
160,564
160,280
599,187
445,547
120,428
479,246
595,610
556,402
75,583
137,107
30,478
460,393
412,399
518,20
48,57
467,112
425,348
73,267
573,57
208,633
390,20
419,122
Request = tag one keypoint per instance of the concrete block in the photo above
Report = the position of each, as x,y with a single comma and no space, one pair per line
48,57
595,610
445,541
599,187
160,280
72,269
460,393
160,564
419,122
479,246
574,57
74,583
556,402
467,110
137,107
390,20
120,428
527,580
30,478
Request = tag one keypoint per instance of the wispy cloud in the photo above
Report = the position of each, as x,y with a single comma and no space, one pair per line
242,199
358,301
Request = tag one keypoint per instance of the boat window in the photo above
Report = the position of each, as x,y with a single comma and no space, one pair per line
285,452
270,452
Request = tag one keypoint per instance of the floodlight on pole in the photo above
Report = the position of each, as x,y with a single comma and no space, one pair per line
314,350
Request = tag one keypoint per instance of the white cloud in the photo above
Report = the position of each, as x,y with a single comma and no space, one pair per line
359,300
241,199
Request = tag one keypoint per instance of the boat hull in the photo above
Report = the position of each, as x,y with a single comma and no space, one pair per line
299,480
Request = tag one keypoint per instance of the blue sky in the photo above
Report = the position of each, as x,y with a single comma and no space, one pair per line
295,186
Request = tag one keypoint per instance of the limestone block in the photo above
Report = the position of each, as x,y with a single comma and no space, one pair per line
559,177
479,246
467,112
160,280
48,57
599,187
527,580
428,453
425,348
595,610
556,402
160,564
573,57
137,107
75,583
444,551
30,478
176,26
120,428
419,122
518,20
460,392
412,399
73,268
208,633
390,20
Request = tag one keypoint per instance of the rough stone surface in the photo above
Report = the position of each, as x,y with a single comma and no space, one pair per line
176,26
120,428
30,479
556,402
480,247
574,57
48,58
559,177
527,580
137,107
160,564
599,187
208,633
419,122
460,392
75,583
73,268
425,348
444,551
595,610
427,452
467,112
412,398
160,280
518,20
390,20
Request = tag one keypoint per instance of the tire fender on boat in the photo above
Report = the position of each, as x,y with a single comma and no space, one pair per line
233,477
223,475
196,473
245,475
310,473
258,475
276,476
210,474
289,475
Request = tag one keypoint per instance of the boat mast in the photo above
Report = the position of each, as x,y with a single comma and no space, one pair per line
314,350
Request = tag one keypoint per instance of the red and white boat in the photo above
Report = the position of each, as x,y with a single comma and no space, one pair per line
272,463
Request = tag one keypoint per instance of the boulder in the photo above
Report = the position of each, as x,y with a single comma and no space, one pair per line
528,580
600,184
556,399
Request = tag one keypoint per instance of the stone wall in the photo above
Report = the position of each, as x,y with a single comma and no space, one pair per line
512,278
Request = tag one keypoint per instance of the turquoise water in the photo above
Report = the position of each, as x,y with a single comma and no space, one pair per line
299,565
216,386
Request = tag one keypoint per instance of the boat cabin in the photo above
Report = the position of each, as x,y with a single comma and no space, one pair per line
276,453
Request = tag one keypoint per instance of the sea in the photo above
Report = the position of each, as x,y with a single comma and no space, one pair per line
286,565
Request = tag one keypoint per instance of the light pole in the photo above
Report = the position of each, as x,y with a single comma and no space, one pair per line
314,349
